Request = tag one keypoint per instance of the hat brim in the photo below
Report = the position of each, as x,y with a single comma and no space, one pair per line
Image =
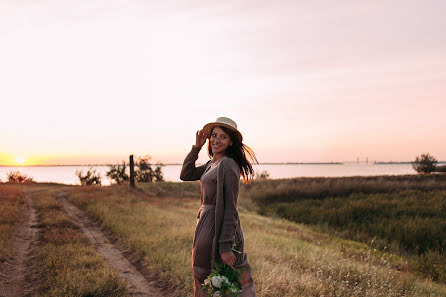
208,128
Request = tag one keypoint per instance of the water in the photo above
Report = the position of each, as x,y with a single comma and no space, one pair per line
66,174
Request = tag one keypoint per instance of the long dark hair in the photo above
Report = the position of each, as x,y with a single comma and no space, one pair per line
242,154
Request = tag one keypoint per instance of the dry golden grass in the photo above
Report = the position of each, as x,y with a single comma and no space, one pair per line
11,199
66,264
288,259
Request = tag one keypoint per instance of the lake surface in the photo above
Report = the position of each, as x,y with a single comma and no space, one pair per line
67,174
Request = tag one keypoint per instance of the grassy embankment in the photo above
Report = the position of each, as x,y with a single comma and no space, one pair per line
11,200
66,264
157,221
403,214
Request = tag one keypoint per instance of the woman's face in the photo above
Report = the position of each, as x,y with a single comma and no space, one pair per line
219,140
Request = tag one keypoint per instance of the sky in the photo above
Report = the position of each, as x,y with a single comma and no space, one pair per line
91,82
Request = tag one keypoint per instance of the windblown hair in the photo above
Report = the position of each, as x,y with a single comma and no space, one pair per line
242,154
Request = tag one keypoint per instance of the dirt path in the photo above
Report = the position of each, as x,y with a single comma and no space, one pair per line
16,272
139,285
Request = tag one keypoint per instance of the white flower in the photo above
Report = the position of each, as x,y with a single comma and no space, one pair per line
224,280
216,281
234,290
217,294
207,282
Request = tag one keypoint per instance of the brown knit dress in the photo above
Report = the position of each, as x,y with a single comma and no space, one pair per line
218,227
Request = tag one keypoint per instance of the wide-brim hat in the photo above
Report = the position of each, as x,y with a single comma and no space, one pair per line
222,122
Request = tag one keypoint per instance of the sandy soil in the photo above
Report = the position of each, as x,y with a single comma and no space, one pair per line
139,285
16,273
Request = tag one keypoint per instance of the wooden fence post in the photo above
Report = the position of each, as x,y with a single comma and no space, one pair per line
132,172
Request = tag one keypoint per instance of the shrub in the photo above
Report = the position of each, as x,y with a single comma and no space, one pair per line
118,173
424,163
90,178
145,173
17,177
262,175
158,174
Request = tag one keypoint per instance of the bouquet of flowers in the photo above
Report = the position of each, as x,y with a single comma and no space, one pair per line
222,282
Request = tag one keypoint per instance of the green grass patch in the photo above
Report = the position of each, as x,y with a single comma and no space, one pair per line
414,220
265,192
410,222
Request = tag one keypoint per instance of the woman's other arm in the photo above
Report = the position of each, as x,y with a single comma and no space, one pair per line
231,180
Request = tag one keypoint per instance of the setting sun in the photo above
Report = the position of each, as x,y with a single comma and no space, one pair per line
20,160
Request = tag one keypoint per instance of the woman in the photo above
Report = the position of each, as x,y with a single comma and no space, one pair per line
218,234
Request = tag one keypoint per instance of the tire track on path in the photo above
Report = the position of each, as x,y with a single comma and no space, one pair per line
17,268
139,286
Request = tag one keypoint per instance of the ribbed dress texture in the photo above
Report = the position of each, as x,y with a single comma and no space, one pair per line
218,227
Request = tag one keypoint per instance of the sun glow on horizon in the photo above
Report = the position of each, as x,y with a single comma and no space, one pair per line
20,160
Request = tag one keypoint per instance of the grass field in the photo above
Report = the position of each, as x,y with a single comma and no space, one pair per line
403,214
157,222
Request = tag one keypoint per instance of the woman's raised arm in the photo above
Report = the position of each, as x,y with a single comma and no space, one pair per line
189,171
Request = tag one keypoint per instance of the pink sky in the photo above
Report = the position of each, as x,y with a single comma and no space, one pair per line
306,81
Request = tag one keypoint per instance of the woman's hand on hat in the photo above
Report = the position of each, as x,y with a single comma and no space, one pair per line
228,258
200,138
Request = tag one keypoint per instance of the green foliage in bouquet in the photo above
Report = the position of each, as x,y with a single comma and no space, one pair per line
223,281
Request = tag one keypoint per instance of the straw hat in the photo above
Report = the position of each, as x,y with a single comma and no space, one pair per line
222,122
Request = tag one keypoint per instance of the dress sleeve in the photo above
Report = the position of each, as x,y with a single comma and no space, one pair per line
189,172
229,216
